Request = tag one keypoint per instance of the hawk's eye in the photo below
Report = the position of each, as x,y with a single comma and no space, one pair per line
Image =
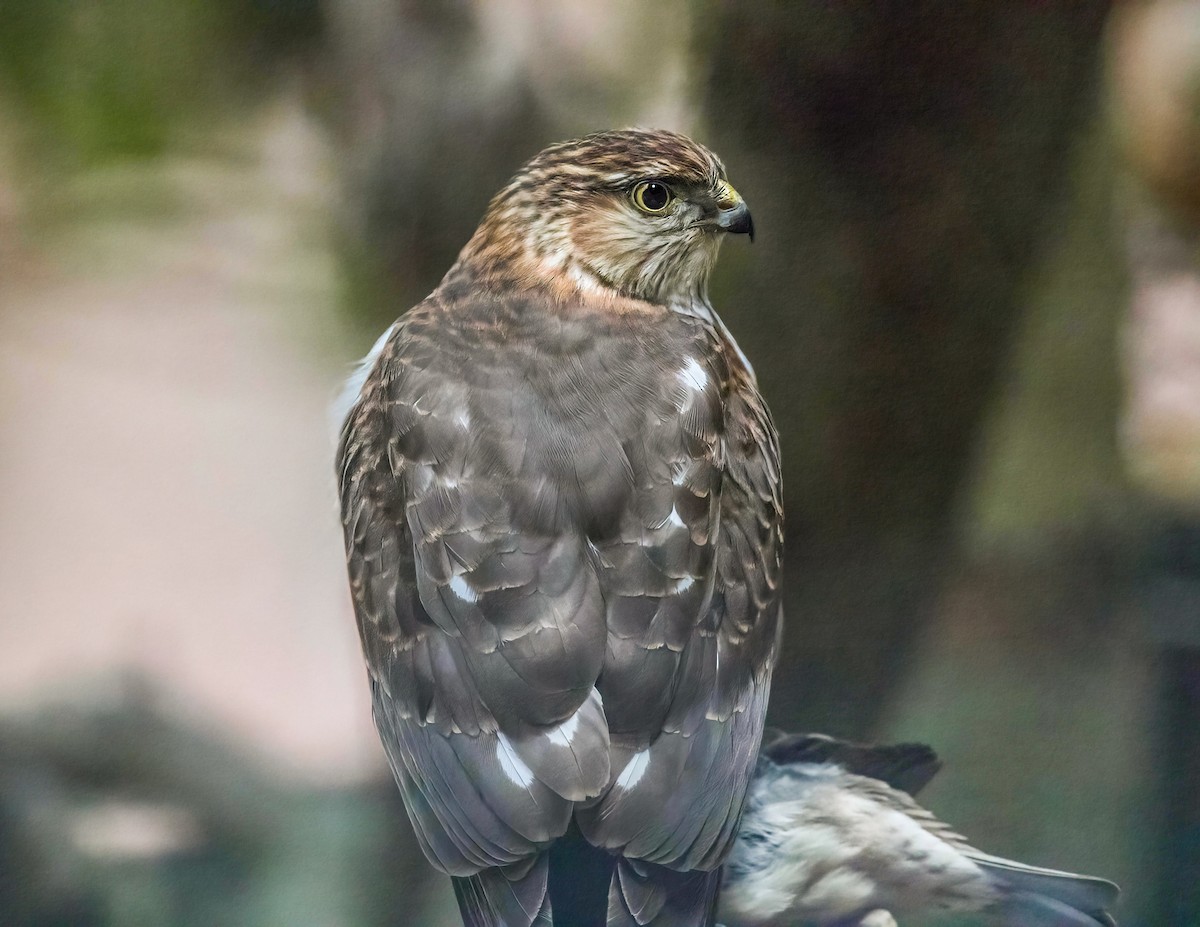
652,197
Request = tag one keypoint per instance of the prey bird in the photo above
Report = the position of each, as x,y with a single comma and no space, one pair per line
832,837
560,497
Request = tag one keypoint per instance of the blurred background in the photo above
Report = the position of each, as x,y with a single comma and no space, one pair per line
974,306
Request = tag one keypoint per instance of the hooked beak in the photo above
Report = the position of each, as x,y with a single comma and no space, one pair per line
733,214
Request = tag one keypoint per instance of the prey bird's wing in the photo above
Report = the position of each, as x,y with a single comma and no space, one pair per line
908,767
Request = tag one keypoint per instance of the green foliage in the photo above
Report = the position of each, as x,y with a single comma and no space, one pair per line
94,81
99,80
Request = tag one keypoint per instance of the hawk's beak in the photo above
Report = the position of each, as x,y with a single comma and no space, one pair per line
733,214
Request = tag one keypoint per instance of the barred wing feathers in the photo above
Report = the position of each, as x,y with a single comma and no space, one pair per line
563,539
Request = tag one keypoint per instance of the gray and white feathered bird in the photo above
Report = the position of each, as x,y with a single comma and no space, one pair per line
562,509
832,836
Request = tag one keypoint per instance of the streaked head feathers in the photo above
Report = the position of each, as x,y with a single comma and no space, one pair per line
633,213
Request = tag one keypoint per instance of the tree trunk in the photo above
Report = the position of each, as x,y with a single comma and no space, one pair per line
903,161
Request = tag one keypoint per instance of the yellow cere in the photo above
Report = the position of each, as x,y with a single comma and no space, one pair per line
727,197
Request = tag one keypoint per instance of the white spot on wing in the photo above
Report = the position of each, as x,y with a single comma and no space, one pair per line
679,472
461,588
672,519
632,774
685,584
511,764
692,375
564,735
565,732
463,418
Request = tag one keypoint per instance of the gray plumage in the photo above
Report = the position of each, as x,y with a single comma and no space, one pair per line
561,505
831,835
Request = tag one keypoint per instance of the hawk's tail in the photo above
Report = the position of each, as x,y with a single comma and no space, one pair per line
514,896
645,895
579,878
590,889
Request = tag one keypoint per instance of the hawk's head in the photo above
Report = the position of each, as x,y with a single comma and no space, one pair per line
636,212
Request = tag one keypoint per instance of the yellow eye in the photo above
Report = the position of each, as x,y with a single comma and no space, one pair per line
652,197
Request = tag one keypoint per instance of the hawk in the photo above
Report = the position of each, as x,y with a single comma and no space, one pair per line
561,503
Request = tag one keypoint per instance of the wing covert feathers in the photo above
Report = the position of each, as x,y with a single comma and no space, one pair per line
645,895
569,608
